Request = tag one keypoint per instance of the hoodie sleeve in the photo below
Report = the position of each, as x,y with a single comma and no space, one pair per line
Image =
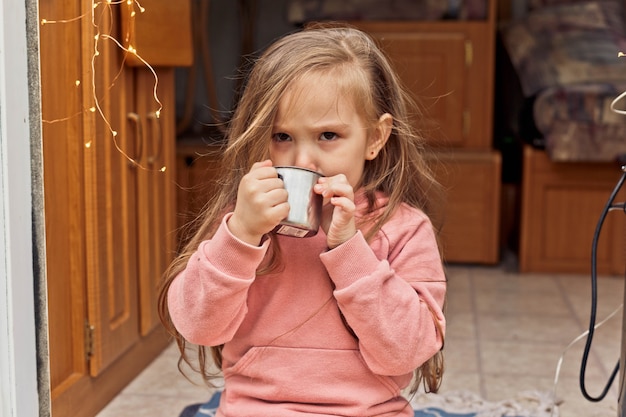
392,297
207,300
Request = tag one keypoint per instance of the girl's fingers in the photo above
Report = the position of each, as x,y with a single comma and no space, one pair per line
334,186
260,164
344,203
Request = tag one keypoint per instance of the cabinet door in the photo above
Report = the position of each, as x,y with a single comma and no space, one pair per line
471,217
155,191
90,202
561,207
111,206
433,67
448,67
62,131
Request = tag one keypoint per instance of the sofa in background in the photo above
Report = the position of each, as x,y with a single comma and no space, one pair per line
569,77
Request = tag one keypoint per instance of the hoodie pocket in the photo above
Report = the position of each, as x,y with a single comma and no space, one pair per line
318,377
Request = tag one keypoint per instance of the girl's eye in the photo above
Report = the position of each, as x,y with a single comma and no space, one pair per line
328,136
281,137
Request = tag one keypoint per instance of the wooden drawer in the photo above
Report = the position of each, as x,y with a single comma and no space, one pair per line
561,206
471,223
159,31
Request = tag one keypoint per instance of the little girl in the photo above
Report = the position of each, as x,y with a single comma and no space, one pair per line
338,323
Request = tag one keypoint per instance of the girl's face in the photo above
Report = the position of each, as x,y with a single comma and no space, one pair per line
318,128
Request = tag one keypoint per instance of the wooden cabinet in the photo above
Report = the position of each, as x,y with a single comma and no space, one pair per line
470,220
109,178
448,67
561,206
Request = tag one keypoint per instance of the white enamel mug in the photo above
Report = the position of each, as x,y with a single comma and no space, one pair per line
305,206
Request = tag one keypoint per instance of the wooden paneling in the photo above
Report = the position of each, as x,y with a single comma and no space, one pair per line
432,64
448,67
155,193
471,221
159,31
62,110
109,205
561,206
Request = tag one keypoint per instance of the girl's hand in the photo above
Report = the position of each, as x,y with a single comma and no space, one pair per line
261,203
339,208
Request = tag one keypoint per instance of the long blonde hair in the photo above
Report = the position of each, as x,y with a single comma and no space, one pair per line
399,171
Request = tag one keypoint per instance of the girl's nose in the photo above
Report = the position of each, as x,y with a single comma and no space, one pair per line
305,158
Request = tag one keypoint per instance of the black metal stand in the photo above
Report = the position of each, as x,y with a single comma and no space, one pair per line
610,206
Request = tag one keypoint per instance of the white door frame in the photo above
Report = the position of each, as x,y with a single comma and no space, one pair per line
18,353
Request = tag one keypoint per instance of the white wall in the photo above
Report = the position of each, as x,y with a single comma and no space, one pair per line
18,364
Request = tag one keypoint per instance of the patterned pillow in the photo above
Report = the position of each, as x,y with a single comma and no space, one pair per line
567,44
579,124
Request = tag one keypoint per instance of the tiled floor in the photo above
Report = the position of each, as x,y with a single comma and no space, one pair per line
506,333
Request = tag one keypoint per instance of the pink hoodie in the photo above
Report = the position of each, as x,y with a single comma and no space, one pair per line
287,350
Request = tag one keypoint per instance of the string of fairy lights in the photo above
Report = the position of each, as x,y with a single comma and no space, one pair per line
129,49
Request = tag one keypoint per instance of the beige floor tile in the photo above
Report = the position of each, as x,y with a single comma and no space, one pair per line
529,327
461,381
610,295
573,404
460,325
458,300
511,302
160,390
504,387
519,359
144,405
461,355
497,280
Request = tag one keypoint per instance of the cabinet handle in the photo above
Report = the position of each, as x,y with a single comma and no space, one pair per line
156,127
136,120
469,53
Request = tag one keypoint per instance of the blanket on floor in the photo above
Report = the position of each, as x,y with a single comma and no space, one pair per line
451,404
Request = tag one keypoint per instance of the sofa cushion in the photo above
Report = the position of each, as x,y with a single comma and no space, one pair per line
578,122
568,44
